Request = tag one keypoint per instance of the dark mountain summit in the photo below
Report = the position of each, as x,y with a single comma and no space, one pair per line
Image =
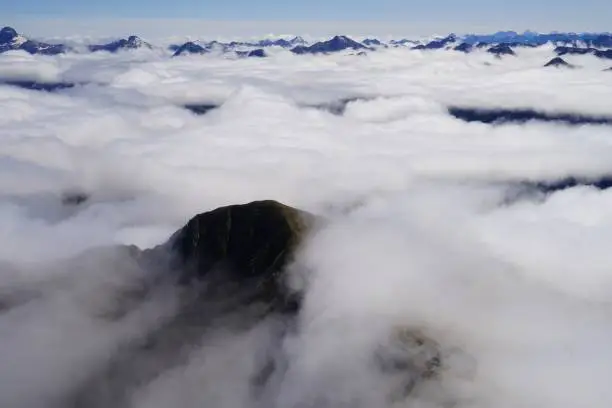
10,40
255,240
559,62
7,35
338,43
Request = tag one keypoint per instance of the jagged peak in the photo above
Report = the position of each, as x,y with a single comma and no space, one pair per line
558,62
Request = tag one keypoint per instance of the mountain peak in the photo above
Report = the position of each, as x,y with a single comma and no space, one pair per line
558,62
189,48
7,34
337,43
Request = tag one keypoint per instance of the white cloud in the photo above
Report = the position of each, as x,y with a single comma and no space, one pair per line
20,65
417,232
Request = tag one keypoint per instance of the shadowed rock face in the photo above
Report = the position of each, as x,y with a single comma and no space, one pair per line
558,62
249,242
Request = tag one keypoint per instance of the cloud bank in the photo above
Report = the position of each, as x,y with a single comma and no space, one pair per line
420,232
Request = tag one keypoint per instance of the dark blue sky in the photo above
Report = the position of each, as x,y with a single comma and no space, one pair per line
315,9
462,15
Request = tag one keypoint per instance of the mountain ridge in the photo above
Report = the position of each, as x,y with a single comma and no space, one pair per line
499,43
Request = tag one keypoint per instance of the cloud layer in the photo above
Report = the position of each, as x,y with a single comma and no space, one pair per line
421,232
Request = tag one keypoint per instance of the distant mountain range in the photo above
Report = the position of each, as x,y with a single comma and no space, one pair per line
499,44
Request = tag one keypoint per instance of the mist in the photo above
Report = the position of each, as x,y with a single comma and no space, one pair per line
511,297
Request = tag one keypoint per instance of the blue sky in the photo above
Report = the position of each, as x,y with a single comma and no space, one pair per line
445,15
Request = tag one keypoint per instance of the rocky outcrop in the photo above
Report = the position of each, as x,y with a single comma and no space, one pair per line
248,244
558,62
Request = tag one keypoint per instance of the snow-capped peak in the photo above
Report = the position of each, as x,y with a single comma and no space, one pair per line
18,40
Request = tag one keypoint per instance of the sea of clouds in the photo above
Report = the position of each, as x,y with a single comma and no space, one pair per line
420,233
